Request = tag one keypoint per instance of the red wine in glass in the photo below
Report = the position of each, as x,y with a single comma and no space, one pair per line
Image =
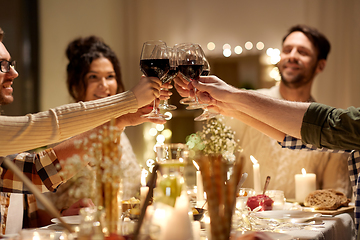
205,73
191,72
171,74
155,67
154,62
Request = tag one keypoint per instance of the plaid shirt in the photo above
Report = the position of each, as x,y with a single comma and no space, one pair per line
42,169
353,167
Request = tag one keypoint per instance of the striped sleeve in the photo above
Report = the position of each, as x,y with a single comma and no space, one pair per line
19,134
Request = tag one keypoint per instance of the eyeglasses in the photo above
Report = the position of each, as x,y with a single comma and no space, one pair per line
5,66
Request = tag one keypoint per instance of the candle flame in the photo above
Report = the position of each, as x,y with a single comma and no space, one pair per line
196,165
254,161
303,171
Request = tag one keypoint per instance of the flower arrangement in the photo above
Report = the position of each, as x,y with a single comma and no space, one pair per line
104,156
215,137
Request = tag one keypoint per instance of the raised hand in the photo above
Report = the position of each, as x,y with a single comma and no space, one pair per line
147,90
182,86
213,90
133,119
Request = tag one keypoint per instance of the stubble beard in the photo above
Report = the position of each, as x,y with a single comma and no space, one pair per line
4,100
299,80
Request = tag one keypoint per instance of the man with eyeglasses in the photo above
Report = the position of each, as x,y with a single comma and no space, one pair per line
24,133
6,94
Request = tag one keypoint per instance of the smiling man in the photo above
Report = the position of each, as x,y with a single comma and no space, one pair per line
303,56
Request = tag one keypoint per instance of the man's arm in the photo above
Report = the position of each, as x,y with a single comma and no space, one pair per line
281,115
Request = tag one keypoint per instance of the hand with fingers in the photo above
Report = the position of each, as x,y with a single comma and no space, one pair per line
75,208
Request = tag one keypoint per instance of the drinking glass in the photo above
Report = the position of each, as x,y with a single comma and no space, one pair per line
171,74
172,159
154,62
206,114
190,59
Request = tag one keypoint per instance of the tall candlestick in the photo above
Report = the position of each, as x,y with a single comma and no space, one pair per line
256,173
199,184
305,183
200,188
144,189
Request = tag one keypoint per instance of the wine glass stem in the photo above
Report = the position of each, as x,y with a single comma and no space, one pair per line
165,102
155,110
196,98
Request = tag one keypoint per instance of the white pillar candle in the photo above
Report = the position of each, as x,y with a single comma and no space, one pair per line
305,183
256,173
178,225
144,189
143,193
199,187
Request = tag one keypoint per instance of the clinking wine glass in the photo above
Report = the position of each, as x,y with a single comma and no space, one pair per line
206,114
190,59
154,62
171,74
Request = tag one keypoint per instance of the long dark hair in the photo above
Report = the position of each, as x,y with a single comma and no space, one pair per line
81,52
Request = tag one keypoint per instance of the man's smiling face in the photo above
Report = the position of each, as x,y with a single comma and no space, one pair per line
6,79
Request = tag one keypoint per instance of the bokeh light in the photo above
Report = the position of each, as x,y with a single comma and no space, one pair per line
226,46
211,46
260,46
238,50
248,45
153,132
160,127
227,52
169,115
167,133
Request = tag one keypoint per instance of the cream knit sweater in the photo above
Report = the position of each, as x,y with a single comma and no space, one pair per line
18,134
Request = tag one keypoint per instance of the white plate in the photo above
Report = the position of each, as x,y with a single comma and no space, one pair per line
270,235
72,220
288,215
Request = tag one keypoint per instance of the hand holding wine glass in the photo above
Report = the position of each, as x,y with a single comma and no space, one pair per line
190,59
154,62
171,74
206,114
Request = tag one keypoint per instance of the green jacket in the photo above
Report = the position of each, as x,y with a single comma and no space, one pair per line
330,127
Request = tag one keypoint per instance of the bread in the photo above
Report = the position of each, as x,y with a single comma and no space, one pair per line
327,199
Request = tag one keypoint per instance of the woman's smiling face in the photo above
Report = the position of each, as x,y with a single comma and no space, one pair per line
101,79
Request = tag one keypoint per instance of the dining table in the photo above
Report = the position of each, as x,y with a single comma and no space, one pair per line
337,227
322,227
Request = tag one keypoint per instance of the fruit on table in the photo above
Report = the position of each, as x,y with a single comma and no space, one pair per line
260,200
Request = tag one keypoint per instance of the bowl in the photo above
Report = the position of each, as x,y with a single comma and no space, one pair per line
199,216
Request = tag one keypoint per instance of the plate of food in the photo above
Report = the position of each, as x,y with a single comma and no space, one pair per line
287,215
71,220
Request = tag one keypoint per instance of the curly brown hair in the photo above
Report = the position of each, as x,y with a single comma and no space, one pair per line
81,52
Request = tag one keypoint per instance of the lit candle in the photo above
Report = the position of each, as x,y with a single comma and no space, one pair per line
144,189
199,184
256,172
178,224
305,183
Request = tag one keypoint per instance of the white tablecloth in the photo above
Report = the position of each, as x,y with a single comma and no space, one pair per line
339,227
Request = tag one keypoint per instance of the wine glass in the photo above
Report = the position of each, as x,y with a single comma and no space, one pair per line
154,62
171,74
206,114
190,59
185,100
